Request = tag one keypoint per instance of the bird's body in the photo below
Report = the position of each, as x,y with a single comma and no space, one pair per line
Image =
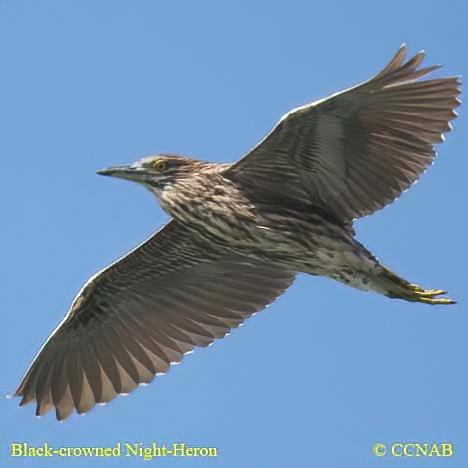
241,233
299,237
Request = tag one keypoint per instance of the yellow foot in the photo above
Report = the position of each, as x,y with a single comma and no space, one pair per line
428,296
426,292
437,300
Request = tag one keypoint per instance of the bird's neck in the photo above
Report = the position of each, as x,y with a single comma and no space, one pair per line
208,203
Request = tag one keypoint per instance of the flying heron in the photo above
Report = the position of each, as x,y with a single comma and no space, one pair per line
241,232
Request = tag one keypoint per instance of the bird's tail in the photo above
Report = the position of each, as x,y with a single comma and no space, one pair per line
391,285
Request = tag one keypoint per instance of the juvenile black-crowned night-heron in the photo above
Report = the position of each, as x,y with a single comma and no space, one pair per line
240,233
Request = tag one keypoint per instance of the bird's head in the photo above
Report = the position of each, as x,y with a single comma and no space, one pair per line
156,172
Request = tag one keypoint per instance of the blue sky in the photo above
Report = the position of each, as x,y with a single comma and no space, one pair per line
327,371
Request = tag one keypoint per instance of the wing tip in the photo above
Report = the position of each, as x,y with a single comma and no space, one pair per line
399,69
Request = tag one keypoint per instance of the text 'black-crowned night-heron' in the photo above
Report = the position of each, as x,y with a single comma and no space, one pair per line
241,232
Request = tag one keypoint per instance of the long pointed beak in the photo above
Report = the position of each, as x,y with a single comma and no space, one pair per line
128,171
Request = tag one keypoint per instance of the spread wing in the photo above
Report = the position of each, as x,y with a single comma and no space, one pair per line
144,312
358,150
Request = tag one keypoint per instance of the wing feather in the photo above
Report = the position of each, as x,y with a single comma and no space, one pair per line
356,151
134,319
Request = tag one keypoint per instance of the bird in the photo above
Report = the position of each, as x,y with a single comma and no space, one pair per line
240,233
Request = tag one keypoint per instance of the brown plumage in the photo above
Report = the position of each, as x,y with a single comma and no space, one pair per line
240,233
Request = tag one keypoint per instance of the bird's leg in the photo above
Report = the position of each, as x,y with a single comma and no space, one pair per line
395,287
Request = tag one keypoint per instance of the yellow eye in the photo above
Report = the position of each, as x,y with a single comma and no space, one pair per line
160,165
